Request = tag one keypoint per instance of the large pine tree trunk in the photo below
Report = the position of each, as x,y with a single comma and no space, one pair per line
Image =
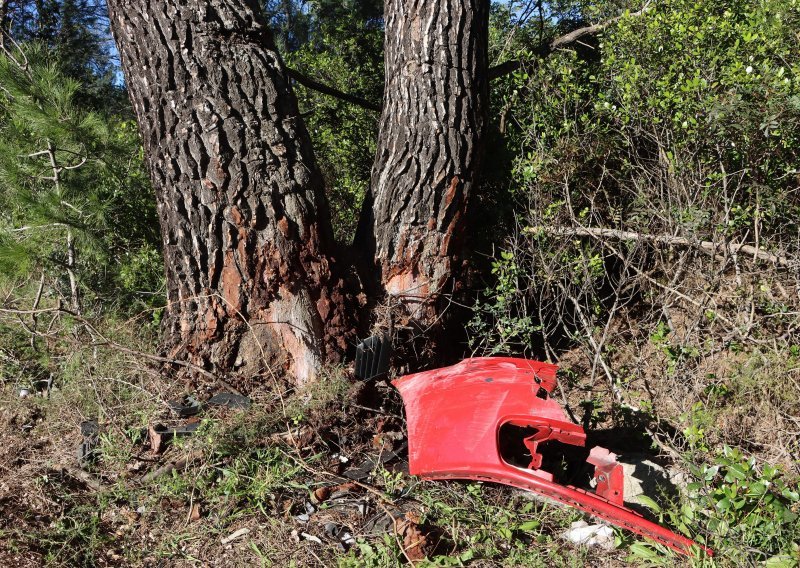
244,220
430,146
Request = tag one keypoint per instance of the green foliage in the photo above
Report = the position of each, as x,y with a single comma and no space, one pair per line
682,122
345,51
721,79
687,124
743,511
509,325
68,174
382,554
76,35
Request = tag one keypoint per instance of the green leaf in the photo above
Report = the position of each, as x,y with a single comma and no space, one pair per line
530,525
648,502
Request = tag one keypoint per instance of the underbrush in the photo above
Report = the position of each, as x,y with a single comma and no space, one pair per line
256,472
275,475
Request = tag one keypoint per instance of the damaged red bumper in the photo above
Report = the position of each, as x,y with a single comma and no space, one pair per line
461,420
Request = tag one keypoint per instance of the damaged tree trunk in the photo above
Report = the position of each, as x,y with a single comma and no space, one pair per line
244,220
430,145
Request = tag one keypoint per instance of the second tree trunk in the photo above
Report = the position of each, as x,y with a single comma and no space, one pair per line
430,146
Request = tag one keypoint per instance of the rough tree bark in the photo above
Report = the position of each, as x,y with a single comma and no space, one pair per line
245,224
244,220
430,145
3,23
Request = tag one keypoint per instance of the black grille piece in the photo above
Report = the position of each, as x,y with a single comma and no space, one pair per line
372,357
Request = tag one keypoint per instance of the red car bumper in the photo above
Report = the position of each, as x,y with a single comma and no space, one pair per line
455,415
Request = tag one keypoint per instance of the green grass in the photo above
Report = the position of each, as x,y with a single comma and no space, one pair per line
248,476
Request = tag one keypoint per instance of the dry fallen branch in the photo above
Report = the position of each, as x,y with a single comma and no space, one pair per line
86,478
709,247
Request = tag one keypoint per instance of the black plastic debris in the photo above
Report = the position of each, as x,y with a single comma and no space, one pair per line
44,385
366,467
87,450
342,535
372,357
189,405
229,400
160,435
185,407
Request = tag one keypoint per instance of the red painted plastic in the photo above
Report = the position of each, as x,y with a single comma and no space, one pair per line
454,416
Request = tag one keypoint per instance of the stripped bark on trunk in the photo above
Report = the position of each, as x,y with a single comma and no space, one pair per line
244,220
430,146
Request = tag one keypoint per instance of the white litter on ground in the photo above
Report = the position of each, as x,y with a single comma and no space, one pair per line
581,532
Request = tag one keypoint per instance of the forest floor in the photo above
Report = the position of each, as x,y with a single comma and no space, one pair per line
313,478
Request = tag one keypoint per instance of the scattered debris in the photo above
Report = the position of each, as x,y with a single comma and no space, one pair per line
160,435
340,534
44,386
311,537
185,407
177,464
190,406
366,467
235,535
492,418
582,533
229,400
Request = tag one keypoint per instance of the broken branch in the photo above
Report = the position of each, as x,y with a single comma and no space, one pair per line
169,467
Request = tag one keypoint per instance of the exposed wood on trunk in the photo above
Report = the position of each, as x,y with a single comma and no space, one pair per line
430,146
243,216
